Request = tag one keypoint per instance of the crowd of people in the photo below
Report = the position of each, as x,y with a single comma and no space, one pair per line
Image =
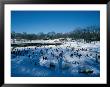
52,56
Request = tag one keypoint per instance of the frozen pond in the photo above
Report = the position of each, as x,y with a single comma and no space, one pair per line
71,59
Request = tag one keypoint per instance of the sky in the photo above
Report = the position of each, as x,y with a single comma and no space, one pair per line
48,21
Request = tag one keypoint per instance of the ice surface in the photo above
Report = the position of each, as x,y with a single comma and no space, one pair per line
57,61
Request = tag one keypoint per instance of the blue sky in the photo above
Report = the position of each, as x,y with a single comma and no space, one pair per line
57,21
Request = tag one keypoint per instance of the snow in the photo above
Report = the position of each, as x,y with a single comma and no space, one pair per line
57,66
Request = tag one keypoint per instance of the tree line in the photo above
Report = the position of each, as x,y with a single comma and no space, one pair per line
91,33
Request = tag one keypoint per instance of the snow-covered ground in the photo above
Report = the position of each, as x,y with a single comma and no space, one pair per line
71,59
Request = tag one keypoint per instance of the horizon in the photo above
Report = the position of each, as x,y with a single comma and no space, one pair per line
57,32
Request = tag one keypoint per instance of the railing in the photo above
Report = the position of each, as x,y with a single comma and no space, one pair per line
34,44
